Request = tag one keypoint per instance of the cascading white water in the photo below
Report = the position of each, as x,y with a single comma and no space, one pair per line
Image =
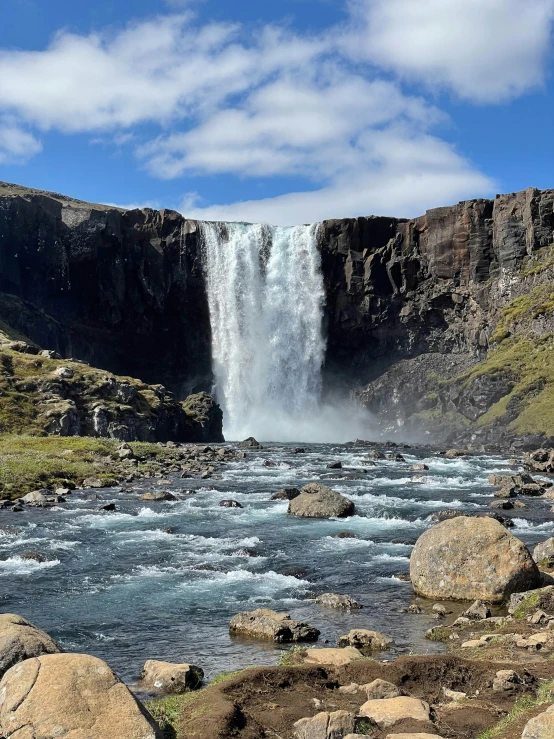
265,294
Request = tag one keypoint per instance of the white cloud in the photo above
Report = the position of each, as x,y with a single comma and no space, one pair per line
397,174
484,50
17,145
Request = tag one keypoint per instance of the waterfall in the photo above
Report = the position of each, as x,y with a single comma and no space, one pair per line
265,296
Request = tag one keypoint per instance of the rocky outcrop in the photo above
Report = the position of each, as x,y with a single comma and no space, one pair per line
469,559
70,695
20,640
412,307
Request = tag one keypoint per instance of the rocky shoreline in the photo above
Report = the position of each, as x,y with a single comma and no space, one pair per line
496,679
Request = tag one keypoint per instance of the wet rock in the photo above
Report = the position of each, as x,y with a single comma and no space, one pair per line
366,639
471,559
332,656
332,600
325,726
345,535
70,695
299,450
376,455
334,466
395,458
250,443
34,556
419,467
319,501
478,611
390,711
264,623
21,640
415,609
165,677
36,498
158,495
380,690
507,522
109,507
230,504
454,454
286,494
93,482
505,505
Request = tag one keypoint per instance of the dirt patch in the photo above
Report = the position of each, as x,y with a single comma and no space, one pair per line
264,703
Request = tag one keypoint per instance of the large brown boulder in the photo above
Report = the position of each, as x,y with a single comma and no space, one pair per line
264,623
74,696
470,559
20,640
541,726
166,677
319,501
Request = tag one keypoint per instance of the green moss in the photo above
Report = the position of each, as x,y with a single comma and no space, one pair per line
538,262
439,633
527,606
522,706
365,727
292,656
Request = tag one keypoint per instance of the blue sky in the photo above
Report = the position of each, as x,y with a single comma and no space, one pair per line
285,111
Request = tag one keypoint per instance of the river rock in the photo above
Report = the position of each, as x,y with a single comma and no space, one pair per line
286,494
20,640
366,639
230,504
541,726
264,623
158,495
544,550
478,611
36,498
74,696
471,559
250,443
165,677
332,600
325,726
332,656
319,501
389,711
334,466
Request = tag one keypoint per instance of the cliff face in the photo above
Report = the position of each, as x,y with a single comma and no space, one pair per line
412,306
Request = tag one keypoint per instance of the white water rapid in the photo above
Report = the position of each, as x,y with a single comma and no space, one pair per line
265,294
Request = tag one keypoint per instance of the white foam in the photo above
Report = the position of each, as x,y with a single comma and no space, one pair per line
18,566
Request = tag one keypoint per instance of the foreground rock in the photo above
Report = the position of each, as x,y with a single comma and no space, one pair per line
74,696
544,551
20,640
540,727
319,501
471,559
332,656
366,639
266,624
165,677
389,711
325,726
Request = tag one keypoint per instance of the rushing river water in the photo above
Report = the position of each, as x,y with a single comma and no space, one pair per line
162,580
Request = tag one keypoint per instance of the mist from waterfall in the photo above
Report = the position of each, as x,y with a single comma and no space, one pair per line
266,296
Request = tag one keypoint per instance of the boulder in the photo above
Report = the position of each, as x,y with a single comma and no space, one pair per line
389,711
544,550
332,600
74,696
286,494
541,726
325,725
531,600
165,677
454,453
478,611
380,690
319,501
36,498
505,681
471,559
332,656
250,443
158,495
20,640
366,639
230,504
334,466
266,624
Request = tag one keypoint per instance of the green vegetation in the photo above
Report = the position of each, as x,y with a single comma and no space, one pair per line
168,711
522,706
439,633
527,606
222,676
30,462
540,261
365,726
538,302
292,656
